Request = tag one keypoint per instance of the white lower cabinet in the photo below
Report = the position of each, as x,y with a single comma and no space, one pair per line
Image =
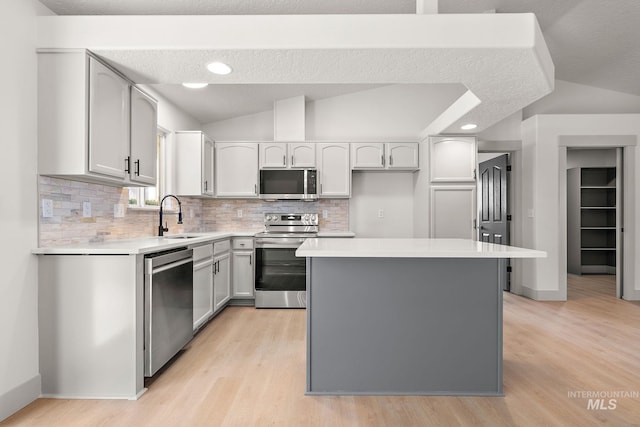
202,284
221,274
242,263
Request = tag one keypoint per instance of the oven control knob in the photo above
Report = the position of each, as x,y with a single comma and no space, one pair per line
267,218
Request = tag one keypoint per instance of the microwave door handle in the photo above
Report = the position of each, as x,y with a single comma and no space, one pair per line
305,181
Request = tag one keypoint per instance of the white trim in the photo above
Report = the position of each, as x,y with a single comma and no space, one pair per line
20,396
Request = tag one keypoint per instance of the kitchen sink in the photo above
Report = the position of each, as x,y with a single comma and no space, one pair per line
179,236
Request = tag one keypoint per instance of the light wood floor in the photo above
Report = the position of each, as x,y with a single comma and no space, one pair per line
247,368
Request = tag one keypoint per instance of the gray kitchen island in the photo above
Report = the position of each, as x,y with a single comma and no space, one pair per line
405,316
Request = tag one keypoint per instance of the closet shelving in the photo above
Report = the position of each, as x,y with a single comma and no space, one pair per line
596,191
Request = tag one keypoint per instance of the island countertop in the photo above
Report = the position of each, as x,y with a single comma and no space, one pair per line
411,248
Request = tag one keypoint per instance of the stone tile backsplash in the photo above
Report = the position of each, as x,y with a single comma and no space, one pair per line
69,226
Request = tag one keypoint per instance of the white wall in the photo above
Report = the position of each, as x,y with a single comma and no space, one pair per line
19,377
254,127
391,192
574,98
591,158
545,142
388,112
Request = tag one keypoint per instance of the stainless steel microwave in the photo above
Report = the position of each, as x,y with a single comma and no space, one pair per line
288,184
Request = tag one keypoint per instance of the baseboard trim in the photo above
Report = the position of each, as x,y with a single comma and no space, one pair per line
19,397
542,295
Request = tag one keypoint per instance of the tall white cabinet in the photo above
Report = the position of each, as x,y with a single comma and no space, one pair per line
93,123
453,204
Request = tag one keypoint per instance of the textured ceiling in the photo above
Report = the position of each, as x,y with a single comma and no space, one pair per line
592,42
502,59
224,101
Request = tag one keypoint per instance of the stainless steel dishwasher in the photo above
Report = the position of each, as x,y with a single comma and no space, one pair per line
168,311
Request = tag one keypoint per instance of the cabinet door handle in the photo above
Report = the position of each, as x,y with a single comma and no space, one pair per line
284,160
390,160
127,160
137,163
292,162
255,189
382,157
205,185
250,259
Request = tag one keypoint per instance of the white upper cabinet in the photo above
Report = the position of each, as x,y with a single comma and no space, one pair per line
93,124
189,150
281,155
402,155
302,155
144,134
108,121
453,158
334,173
236,169
273,155
367,155
384,155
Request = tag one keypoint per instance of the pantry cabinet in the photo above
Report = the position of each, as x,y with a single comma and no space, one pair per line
193,157
334,174
93,123
236,169
453,159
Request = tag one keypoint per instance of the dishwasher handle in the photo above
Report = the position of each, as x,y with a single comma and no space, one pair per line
161,261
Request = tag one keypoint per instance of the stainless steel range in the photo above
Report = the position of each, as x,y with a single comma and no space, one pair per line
281,277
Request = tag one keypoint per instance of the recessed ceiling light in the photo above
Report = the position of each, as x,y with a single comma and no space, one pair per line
219,68
195,85
469,126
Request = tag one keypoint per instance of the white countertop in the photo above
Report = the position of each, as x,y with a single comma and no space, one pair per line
142,245
411,248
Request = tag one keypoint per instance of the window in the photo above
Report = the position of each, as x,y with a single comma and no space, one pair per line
149,197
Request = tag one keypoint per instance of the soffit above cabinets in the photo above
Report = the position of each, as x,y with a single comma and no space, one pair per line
501,59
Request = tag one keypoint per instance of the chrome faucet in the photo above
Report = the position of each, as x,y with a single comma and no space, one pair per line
162,229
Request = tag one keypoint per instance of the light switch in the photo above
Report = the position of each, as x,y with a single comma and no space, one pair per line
325,214
239,213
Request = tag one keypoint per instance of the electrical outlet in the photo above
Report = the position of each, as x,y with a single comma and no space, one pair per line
118,210
380,213
86,209
239,213
325,214
47,208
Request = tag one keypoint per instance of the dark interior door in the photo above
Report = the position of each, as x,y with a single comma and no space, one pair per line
494,224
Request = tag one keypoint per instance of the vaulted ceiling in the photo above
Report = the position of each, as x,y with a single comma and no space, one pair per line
590,41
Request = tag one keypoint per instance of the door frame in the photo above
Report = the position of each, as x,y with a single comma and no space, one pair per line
514,201
628,163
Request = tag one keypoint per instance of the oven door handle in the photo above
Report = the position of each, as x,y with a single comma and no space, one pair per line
265,244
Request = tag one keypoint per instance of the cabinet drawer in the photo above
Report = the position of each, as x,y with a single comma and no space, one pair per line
222,246
243,243
202,252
